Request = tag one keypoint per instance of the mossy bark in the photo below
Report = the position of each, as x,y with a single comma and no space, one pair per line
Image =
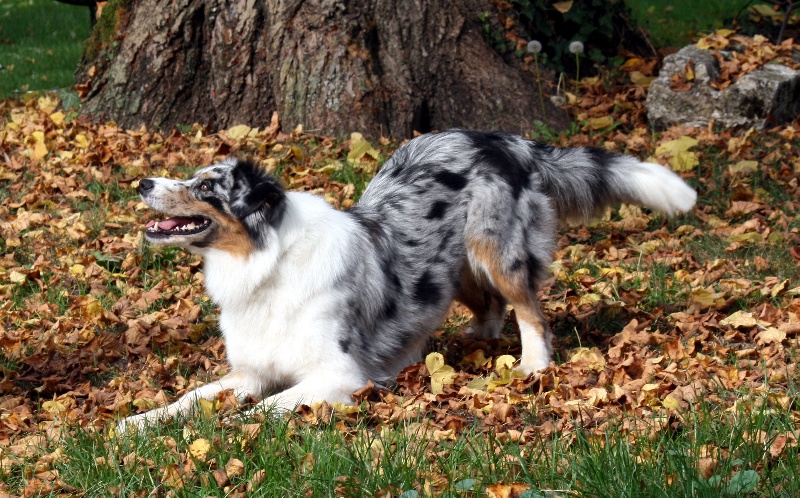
377,66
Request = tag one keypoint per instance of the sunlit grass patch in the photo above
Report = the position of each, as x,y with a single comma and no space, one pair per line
40,44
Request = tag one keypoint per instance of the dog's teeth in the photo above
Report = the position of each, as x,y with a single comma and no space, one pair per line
155,227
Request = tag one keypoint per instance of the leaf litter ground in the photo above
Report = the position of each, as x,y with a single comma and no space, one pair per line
652,316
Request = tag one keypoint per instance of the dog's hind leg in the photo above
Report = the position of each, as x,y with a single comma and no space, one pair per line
487,305
517,284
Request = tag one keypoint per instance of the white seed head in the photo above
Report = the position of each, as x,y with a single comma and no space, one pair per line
534,46
576,47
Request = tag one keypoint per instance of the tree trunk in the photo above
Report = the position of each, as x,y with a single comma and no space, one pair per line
381,67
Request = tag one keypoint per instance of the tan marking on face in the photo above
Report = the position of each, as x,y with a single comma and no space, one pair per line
229,235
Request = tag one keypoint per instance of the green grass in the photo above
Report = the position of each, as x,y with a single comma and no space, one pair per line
287,458
40,44
676,22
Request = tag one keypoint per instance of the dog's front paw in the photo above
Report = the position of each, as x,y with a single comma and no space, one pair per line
135,423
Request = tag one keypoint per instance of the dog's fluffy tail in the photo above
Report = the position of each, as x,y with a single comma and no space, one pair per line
584,181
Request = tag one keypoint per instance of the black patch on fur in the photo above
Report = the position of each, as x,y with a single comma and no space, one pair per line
372,227
389,310
492,151
601,160
426,291
453,181
437,211
391,275
255,190
535,269
215,202
344,345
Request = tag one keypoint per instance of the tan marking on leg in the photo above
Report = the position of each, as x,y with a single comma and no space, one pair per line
534,333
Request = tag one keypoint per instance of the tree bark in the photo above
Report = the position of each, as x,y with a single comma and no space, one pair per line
381,67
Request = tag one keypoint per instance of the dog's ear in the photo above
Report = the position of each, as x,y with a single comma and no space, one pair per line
253,190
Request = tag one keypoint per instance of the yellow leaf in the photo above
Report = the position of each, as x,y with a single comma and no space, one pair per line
673,147
47,104
82,141
238,132
779,288
630,63
767,12
684,161
707,299
681,158
54,407
93,308
199,449
479,383
297,152
476,358
563,7
207,407
441,374
434,361
640,79
504,362
39,149
234,467
442,377
629,211
743,167
597,395
57,118
17,277
146,403
506,490
359,148
601,122
739,319
76,270
590,298
769,336
745,238
671,402
591,357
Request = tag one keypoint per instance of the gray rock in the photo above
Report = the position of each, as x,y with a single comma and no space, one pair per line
765,97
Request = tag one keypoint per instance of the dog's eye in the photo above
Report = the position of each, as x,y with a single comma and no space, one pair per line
205,185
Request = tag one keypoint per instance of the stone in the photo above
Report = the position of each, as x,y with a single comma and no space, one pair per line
765,97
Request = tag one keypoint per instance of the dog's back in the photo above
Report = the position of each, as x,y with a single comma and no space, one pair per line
472,216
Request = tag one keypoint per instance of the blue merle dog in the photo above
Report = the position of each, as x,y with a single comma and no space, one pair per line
314,302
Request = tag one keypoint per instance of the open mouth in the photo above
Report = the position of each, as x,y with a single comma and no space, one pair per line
177,225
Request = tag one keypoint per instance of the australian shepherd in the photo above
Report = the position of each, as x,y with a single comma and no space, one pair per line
314,302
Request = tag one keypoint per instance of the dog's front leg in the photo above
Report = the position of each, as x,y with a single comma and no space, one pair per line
243,385
308,391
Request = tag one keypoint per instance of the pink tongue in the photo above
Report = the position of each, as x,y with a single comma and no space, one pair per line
169,223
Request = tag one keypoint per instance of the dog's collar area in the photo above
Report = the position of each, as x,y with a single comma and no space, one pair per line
178,225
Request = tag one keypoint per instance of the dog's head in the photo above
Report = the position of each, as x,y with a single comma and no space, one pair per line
229,206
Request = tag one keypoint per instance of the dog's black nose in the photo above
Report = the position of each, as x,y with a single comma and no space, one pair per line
146,185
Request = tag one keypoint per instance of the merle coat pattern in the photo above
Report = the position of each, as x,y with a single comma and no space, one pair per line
314,302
